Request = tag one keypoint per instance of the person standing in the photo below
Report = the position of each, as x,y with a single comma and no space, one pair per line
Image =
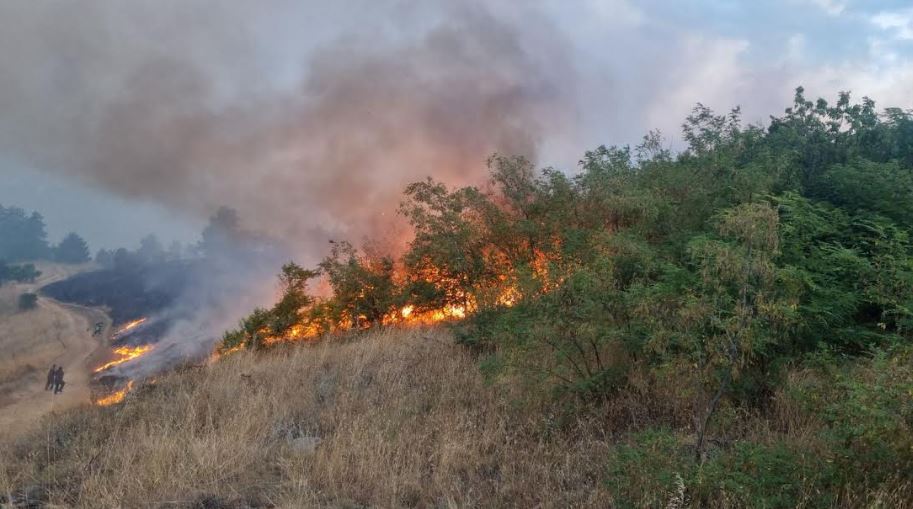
52,375
58,380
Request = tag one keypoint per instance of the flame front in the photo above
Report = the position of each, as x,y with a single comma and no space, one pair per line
124,354
115,397
503,290
130,326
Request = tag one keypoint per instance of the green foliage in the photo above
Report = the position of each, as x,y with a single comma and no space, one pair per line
259,327
776,475
28,301
868,409
645,471
72,249
730,267
22,236
25,273
363,287
656,466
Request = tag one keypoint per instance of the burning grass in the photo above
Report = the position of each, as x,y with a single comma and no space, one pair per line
130,326
124,354
115,397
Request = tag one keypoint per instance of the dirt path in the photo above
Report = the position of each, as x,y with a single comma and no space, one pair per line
23,403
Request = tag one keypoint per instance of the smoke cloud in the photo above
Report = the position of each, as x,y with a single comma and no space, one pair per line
191,105
180,104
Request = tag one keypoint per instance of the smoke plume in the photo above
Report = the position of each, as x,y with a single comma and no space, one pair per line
184,104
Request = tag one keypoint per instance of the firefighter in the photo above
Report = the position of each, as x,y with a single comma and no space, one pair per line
52,374
58,380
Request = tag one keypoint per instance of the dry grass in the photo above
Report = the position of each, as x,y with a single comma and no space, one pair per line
403,419
29,340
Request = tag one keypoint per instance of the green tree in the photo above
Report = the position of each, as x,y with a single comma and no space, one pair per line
222,233
261,325
150,250
741,302
364,290
72,249
22,236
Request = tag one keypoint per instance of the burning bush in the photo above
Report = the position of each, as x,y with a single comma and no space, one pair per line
285,321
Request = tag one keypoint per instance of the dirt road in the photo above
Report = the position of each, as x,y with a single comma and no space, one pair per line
55,333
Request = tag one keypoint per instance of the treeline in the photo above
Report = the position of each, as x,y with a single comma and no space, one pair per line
133,283
23,237
763,266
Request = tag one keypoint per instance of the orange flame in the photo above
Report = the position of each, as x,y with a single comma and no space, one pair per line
124,353
115,397
130,326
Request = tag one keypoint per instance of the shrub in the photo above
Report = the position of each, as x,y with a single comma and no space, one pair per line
28,301
777,475
647,471
657,467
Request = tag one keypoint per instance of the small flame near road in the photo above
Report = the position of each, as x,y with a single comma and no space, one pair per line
124,354
115,397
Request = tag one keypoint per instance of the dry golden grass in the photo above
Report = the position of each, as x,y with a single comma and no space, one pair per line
403,418
29,340
396,418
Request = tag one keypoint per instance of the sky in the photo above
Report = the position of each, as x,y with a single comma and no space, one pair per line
120,119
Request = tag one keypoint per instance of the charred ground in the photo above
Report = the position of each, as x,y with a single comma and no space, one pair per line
127,293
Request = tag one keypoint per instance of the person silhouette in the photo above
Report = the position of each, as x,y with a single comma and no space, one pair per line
58,380
52,374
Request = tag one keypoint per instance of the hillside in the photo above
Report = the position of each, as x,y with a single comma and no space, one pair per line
728,326
403,418
394,418
32,340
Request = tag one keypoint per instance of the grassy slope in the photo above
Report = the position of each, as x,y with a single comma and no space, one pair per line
31,340
404,417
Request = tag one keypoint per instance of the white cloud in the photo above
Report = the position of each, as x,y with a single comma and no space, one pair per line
832,7
898,23
888,85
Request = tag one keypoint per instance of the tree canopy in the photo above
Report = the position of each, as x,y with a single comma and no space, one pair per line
22,236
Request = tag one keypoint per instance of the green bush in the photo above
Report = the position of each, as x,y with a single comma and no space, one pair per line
647,471
25,273
777,475
658,466
28,301
869,411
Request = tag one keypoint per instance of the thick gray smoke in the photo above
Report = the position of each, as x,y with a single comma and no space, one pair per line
190,104
181,103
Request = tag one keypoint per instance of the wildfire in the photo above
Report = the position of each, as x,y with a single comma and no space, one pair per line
115,397
504,291
130,326
124,354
